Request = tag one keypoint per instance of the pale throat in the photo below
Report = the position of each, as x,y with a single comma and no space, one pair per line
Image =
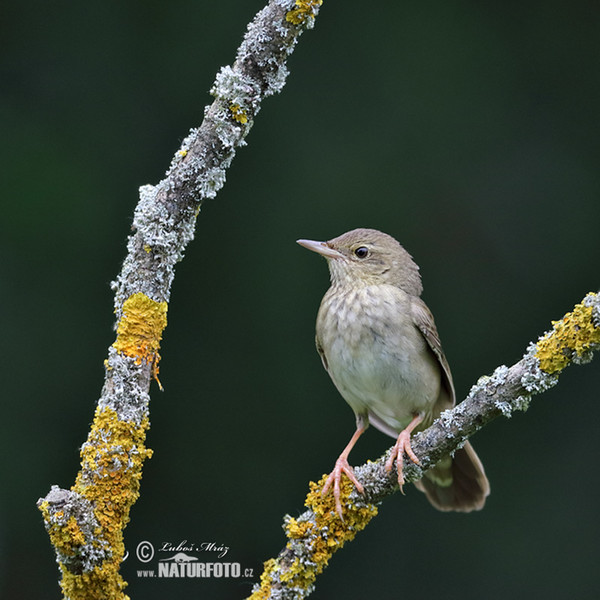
343,275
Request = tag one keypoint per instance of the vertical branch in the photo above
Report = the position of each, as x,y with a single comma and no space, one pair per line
86,523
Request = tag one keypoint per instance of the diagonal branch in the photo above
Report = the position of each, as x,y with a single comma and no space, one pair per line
318,533
86,523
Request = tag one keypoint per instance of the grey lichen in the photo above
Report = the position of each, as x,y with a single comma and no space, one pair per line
165,218
593,300
490,383
64,505
504,407
521,402
235,87
125,388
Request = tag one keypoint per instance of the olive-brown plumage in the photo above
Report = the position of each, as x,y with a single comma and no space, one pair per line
379,343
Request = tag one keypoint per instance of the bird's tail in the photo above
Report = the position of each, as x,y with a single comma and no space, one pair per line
456,483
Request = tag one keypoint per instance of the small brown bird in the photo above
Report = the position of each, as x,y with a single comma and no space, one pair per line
379,343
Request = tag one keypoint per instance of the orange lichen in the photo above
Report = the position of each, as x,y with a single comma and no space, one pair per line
573,336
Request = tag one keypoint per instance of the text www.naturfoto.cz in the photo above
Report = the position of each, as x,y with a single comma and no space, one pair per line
193,569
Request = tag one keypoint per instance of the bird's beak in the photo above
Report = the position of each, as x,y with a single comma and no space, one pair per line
320,248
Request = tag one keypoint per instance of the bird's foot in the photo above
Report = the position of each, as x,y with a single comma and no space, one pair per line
402,447
341,467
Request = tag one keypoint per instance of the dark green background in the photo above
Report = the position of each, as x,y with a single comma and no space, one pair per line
466,129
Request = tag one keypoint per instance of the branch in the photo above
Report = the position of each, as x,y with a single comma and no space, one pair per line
86,523
318,533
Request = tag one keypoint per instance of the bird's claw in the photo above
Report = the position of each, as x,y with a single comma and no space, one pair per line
341,467
401,447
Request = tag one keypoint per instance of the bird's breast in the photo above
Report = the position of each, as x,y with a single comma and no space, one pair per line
376,356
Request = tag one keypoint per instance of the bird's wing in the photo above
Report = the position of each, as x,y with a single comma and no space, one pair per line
423,319
321,353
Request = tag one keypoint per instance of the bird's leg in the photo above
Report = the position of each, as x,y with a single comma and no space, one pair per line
402,447
342,466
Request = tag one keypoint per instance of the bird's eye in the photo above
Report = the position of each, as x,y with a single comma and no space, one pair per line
361,252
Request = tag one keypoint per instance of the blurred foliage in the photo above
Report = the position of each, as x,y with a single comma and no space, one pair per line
468,130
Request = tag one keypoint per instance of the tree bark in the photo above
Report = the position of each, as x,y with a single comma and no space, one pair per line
86,523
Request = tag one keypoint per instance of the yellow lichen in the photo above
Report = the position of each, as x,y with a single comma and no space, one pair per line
110,476
292,571
296,530
111,462
239,114
102,583
264,591
182,153
356,518
139,331
305,10
321,537
65,537
74,532
574,334
113,457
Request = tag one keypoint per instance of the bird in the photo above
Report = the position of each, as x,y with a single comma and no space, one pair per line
378,342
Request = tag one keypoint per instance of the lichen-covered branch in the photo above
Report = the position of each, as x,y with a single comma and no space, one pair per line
86,523
318,533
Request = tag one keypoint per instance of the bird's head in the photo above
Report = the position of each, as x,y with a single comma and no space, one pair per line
368,257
